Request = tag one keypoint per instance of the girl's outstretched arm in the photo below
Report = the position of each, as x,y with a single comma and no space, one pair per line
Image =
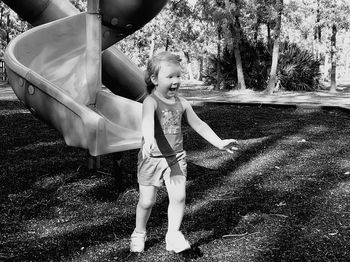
205,131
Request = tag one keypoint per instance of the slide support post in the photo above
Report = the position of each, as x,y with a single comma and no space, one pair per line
93,48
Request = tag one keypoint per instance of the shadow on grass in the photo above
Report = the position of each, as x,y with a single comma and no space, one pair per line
264,203
303,203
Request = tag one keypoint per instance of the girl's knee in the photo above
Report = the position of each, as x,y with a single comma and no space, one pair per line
177,191
147,196
146,203
177,198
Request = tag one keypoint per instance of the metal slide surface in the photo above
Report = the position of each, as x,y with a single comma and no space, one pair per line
46,69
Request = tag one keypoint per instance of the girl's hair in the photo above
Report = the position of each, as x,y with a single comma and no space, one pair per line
153,66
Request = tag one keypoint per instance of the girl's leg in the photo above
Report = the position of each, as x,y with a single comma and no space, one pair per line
174,239
147,199
176,187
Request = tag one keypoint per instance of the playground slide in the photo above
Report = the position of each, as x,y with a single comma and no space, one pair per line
46,69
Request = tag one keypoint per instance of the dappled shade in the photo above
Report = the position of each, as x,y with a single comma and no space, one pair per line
281,197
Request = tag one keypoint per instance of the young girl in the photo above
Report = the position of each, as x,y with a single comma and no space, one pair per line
162,157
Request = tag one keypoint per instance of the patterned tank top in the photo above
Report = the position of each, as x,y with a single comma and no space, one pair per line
167,122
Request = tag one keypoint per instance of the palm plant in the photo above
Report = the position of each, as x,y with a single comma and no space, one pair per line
298,69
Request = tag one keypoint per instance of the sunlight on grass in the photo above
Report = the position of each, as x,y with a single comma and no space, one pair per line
49,182
315,130
344,164
66,225
259,164
342,190
208,158
212,158
9,112
99,252
239,178
37,146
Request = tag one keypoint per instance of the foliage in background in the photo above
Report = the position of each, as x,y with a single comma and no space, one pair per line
177,28
11,25
256,59
79,4
298,69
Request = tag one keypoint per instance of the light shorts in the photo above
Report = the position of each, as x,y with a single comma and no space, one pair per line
151,171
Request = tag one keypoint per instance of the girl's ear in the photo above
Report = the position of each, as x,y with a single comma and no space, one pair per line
154,80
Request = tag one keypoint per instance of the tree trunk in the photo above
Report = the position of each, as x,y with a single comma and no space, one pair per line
237,36
218,65
273,73
201,66
317,31
8,31
256,30
326,67
347,63
151,51
333,58
275,53
2,16
269,41
240,76
167,43
3,33
189,65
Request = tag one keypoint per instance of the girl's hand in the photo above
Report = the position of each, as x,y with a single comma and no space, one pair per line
229,145
147,149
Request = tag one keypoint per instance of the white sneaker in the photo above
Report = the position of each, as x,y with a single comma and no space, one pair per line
176,242
137,241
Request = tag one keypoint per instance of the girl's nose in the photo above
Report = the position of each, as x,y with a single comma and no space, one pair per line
176,80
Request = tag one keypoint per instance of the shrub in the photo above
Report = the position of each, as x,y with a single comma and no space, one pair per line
255,59
298,70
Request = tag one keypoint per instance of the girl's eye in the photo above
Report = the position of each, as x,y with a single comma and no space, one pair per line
172,76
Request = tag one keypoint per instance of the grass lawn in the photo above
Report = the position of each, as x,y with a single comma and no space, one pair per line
284,196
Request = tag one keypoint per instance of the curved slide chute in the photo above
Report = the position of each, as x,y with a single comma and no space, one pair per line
46,69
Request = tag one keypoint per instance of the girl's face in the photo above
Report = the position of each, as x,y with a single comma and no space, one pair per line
168,80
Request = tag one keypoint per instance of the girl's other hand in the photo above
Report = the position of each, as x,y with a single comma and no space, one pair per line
229,145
